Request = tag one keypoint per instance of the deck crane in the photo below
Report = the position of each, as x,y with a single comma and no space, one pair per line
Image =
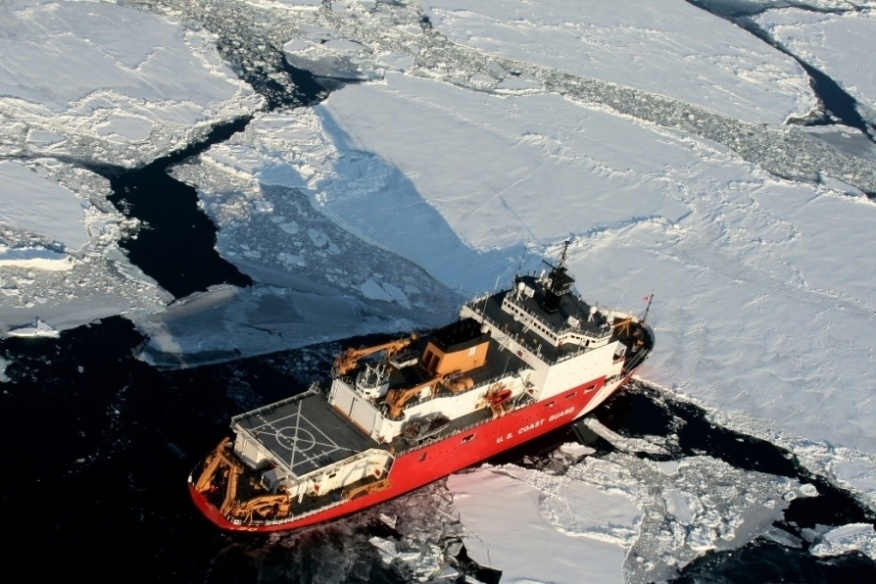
347,360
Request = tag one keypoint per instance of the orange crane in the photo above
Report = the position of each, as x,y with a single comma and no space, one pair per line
346,361
397,398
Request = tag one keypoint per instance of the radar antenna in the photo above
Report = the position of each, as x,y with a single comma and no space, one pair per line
559,282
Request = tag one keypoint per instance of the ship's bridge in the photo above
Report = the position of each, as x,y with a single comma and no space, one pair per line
573,326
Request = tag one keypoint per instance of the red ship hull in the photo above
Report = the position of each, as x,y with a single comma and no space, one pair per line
424,465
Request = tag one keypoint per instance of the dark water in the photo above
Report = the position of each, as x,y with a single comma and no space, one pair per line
100,448
767,562
264,68
176,246
101,444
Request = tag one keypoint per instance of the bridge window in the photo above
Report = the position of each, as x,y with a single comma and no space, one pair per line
468,438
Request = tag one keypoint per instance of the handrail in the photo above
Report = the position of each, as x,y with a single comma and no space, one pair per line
312,390
433,440
592,332
524,341
489,381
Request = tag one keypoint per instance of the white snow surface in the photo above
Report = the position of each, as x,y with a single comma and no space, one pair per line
40,205
650,138
511,524
666,48
105,83
617,519
859,537
837,43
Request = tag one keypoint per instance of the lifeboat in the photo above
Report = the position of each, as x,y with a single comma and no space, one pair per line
497,397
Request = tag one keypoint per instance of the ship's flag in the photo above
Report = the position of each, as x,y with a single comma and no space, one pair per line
646,298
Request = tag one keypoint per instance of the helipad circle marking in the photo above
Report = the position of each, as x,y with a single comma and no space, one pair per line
293,438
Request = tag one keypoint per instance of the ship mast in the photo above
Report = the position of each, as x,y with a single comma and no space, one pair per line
647,308
559,283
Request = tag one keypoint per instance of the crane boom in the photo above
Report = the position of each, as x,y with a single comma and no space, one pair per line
346,361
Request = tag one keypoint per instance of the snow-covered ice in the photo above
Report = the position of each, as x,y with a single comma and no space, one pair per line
859,537
84,83
481,137
104,83
838,43
670,48
59,255
615,519
511,517
38,329
33,202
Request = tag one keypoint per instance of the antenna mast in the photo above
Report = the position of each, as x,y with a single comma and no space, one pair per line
559,283
647,308
522,258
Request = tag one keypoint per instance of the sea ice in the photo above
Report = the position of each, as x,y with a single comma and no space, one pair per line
859,537
672,49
